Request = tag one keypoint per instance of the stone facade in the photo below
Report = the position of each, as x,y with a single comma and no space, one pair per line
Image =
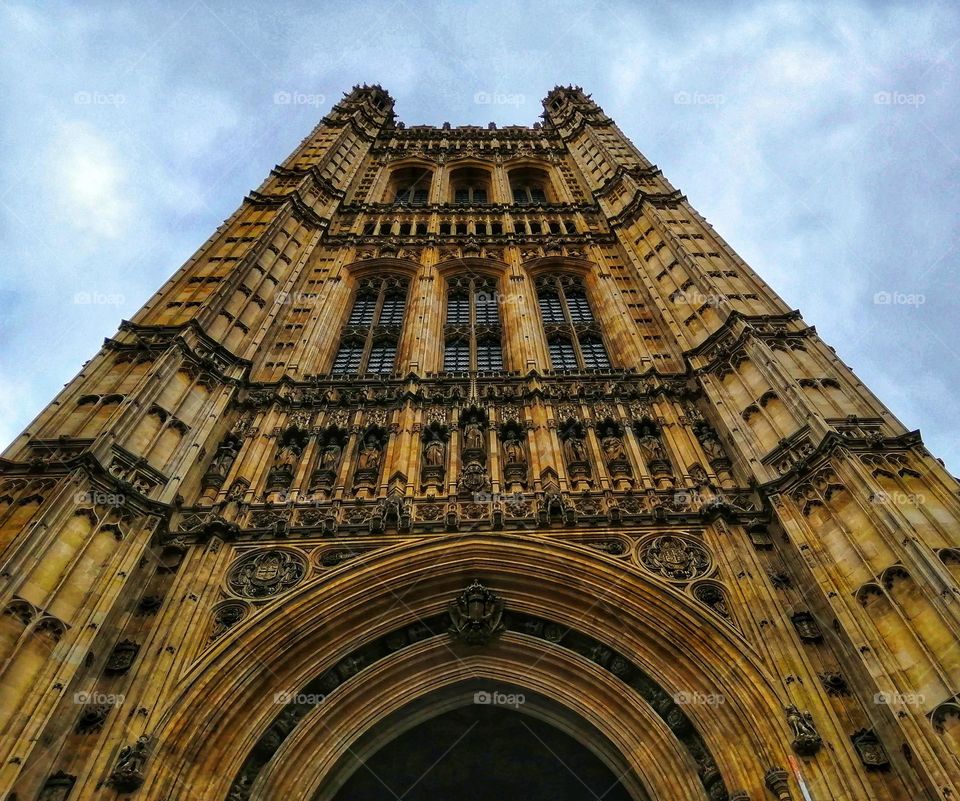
446,406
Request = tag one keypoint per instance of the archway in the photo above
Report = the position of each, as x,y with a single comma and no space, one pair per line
347,624
492,747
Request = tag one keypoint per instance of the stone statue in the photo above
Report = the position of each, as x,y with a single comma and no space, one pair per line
434,453
473,437
128,773
513,451
369,458
575,449
330,457
652,449
287,456
806,739
613,448
711,446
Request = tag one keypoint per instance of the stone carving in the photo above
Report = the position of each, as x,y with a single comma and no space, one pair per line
92,718
476,615
474,479
870,749
834,683
806,626
292,443
473,438
513,451
806,739
330,456
675,558
56,788
226,617
369,457
127,775
122,656
434,453
222,462
266,573
575,449
712,596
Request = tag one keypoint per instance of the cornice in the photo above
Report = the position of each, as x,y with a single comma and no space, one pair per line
635,206
834,442
302,211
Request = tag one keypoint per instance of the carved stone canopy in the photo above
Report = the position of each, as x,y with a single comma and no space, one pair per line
476,615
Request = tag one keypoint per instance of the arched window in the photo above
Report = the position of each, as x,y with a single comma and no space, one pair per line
563,356
410,185
472,333
470,186
529,186
368,341
573,336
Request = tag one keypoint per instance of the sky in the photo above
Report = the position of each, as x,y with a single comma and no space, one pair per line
821,142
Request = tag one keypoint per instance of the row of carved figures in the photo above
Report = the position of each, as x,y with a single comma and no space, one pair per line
471,437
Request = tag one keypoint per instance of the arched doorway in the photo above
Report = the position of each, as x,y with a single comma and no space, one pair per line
609,652
482,752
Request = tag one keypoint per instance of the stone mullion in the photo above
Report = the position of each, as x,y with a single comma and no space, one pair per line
598,463
935,581
269,320
667,316
323,334
554,447
61,673
349,457
735,428
455,457
412,344
876,660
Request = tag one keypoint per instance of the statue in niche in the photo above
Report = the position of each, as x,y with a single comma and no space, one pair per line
434,453
575,448
711,445
652,449
330,457
369,458
287,456
513,451
473,437
613,448
226,453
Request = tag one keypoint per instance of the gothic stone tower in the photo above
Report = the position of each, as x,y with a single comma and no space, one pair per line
460,423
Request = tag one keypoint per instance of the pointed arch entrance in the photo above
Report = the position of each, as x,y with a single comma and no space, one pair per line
362,656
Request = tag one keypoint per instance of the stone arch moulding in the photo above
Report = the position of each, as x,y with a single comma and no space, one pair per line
227,701
561,264
384,264
493,268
